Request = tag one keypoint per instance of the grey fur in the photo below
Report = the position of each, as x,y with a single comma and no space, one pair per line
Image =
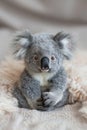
22,103
39,95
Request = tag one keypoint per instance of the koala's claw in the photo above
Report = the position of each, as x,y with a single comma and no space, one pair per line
39,102
41,107
48,102
49,98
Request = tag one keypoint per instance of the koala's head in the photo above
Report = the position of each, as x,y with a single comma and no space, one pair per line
43,52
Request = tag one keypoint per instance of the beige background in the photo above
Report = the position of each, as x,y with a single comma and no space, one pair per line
42,16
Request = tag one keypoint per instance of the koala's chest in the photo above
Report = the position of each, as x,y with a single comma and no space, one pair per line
43,79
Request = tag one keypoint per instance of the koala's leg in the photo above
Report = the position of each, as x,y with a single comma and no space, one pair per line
57,90
22,102
31,89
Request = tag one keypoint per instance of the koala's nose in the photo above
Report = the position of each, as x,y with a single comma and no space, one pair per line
45,63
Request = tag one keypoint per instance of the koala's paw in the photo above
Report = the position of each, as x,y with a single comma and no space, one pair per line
40,106
51,98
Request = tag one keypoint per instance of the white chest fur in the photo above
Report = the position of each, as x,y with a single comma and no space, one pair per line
43,78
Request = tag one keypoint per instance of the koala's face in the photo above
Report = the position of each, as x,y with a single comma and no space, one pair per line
43,52
42,55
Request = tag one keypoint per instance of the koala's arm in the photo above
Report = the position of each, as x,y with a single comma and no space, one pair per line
57,89
30,88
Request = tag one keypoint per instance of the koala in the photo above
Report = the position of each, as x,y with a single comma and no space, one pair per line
43,83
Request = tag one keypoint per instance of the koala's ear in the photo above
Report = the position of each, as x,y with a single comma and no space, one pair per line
21,42
65,44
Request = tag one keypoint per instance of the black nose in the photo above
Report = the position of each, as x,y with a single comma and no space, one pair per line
45,63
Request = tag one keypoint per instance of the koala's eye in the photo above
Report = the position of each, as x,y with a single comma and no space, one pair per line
35,57
53,57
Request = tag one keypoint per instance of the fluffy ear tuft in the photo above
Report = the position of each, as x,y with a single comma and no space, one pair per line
21,42
65,44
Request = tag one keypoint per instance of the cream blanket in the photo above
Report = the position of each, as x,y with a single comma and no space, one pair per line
70,117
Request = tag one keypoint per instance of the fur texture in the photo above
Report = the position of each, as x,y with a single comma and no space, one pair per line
71,116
